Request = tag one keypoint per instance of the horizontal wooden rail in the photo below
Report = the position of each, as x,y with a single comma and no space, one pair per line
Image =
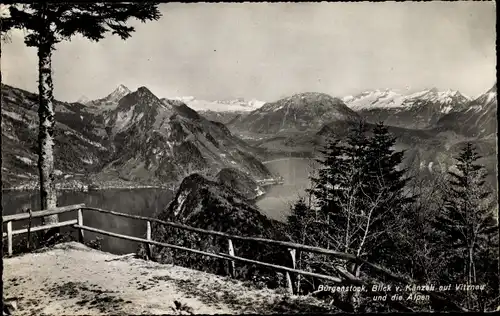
283,268
58,210
219,256
43,227
287,244
234,237
78,224
151,242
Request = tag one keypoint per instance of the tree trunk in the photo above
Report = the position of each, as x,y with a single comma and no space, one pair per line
46,131
472,277
1,206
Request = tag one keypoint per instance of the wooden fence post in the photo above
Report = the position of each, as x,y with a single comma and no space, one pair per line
80,223
231,253
149,252
9,237
288,278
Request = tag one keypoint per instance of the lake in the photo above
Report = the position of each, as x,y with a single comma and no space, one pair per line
143,202
146,202
277,203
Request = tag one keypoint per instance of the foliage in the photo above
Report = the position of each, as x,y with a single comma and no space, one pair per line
467,229
51,23
438,230
46,24
359,195
360,191
94,243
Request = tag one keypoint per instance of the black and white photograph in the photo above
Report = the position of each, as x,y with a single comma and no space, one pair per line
249,158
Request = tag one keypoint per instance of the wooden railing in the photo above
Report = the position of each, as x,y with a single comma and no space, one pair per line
230,256
8,219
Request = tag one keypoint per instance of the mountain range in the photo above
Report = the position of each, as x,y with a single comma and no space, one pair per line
106,104
239,104
81,140
128,136
136,137
300,112
477,119
163,139
390,99
417,110
224,117
431,126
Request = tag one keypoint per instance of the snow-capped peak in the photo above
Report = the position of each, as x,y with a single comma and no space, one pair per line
118,93
486,98
375,98
184,98
391,99
236,105
490,96
255,104
493,89
122,89
83,99
447,97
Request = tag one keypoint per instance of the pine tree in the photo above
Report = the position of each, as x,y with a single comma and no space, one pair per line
46,25
338,190
352,211
298,222
361,192
467,223
329,173
385,190
384,164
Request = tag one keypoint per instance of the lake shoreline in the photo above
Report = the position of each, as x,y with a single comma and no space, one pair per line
79,186
147,199
100,188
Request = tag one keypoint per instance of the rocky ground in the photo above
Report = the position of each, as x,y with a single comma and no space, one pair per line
72,279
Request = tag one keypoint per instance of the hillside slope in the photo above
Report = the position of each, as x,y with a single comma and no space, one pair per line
239,182
82,145
126,137
478,119
72,279
209,205
427,151
300,112
166,140
224,117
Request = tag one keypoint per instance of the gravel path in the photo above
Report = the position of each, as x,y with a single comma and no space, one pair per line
72,279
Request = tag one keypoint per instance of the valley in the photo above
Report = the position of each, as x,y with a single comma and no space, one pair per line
132,139
431,126
124,138
265,153
135,139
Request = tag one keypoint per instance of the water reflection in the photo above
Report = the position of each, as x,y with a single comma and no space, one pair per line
143,202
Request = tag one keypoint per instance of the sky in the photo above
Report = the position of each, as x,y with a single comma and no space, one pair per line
267,51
